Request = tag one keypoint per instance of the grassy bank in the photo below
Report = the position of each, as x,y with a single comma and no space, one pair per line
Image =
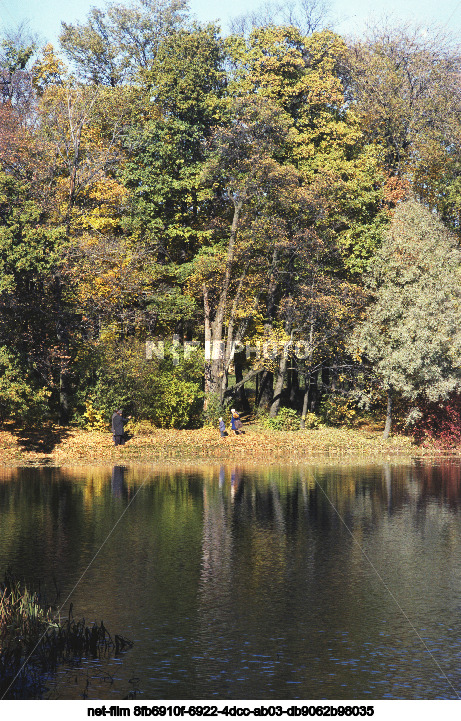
57,446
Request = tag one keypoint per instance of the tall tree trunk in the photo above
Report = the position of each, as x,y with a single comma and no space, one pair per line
294,385
313,393
208,368
265,397
387,427
281,372
232,339
305,409
62,336
325,377
266,392
63,397
279,381
214,335
308,378
241,393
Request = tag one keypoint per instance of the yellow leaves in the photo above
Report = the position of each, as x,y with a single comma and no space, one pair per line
208,268
281,64
98,273
301,74
101,206
96,220
267,344
94,420
98,287
48,69
109,333
108,192
61,196
339,410
324,48
357,355
205,445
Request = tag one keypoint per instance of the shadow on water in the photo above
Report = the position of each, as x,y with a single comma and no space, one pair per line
117,482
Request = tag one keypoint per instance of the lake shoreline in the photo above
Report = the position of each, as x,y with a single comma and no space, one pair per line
59,446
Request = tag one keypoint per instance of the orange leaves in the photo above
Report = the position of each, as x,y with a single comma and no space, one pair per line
77,447
396,190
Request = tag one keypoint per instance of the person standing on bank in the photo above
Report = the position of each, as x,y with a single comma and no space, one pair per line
117,427
236,423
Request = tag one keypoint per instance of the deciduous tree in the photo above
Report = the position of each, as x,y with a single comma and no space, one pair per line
412,330
405,84
113,45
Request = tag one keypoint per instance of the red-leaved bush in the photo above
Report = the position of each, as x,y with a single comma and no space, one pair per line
440,422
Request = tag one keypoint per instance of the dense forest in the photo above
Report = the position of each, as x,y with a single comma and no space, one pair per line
268,219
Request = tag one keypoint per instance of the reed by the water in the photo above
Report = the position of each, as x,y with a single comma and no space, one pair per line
33,642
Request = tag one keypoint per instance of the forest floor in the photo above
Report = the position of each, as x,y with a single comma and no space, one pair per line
59,446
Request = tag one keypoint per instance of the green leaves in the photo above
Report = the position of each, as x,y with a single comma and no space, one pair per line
29,247
412,332
113,45
20,398
167,148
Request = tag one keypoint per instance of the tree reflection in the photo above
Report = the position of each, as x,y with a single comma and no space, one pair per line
242,580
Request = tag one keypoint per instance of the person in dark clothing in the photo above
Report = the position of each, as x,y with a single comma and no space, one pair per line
117,427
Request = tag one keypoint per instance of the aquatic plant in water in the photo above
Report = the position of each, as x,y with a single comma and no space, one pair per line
33,643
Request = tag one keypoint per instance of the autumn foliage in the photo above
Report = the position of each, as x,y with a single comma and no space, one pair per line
440,422
160,181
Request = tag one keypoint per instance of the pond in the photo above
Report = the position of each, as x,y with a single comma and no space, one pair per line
303,582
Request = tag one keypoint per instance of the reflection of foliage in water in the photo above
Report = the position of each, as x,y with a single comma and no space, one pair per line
238,566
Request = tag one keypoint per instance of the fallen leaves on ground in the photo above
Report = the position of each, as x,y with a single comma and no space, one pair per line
75,446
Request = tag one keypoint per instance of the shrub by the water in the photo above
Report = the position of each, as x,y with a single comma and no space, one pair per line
116,374
287,419
338,410
214,410
311,420
440,422
21,399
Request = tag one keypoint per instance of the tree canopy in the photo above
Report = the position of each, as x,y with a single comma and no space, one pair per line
412,332
247,195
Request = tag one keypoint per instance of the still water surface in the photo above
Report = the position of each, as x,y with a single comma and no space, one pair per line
249,583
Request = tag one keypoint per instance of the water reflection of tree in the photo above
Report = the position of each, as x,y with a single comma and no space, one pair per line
290,559
250,564
245,548
440,482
